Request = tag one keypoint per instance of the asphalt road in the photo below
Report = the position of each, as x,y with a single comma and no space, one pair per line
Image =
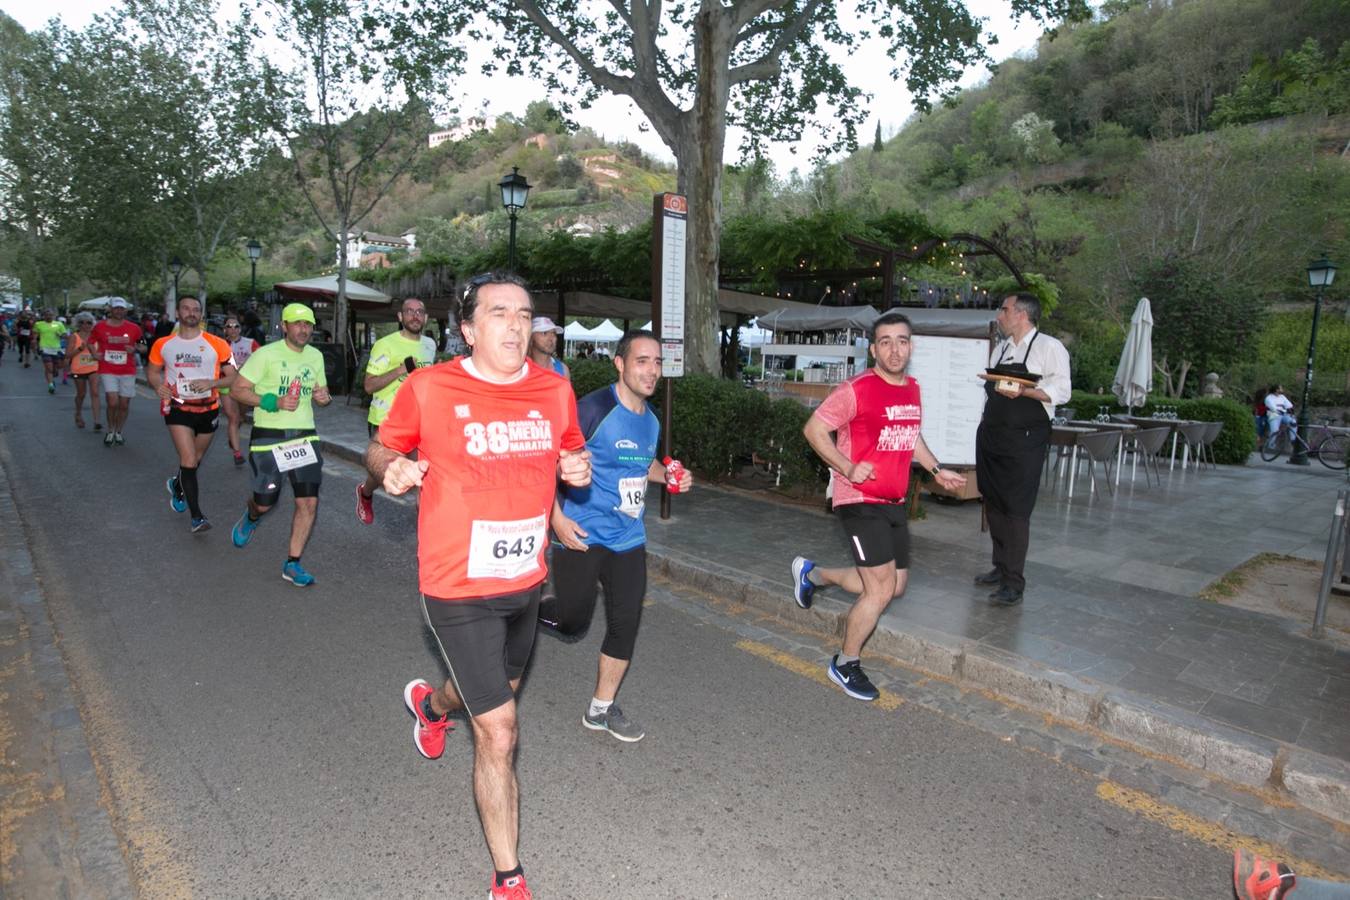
252,740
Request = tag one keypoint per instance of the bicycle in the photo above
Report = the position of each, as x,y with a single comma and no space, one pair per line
1330,448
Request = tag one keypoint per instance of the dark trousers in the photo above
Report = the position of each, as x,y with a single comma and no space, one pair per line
1011,535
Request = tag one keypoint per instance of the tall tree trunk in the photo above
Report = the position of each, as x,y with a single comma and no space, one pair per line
340,301
699,158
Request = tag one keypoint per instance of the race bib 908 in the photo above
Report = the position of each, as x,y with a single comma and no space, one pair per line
293,455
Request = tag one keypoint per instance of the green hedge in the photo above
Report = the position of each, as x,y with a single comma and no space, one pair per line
1235,443
718,423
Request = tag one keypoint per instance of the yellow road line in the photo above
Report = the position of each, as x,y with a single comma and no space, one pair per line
813,671
1211,833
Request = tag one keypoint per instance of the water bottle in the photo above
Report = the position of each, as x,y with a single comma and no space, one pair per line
294,389
674,472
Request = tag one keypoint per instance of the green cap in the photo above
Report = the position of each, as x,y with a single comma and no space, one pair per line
297,312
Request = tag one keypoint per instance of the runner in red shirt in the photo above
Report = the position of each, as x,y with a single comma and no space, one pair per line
114,341
878,416
493,434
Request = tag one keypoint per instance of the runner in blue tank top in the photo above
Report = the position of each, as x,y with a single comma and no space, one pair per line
599,533
544,346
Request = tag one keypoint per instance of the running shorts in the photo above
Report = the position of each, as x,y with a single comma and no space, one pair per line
485,643
577,578
267,476
122,385
878,533
199,422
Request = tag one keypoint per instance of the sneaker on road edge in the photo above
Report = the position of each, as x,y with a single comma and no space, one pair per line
176,501
107,438
118,440
365,510
243,530
296,574
202,524
802,588
853,680
513,889
616,723
428,734
1255,878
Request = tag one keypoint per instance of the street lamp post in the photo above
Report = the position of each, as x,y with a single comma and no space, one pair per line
515,191
254,254
176,267
1321,274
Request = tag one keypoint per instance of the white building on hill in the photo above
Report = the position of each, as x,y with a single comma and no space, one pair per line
469,127
371,250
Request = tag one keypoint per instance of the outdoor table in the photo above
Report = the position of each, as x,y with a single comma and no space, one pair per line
1122,427
1175,425
1067,436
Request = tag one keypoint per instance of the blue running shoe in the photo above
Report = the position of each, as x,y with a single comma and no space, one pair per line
852,679
296,574
802,588
176,501
202,524
243,530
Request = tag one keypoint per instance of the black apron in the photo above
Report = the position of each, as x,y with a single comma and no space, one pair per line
1010,446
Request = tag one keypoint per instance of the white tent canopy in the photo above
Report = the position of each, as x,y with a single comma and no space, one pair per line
606,333
819,318
99,303
575,331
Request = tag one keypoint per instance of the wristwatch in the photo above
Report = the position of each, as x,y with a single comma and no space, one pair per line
935,470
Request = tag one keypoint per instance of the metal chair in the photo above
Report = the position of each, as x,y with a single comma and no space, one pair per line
1205,451
1099,447
1148,443
1193,435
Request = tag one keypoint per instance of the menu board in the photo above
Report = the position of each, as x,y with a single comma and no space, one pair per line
947,369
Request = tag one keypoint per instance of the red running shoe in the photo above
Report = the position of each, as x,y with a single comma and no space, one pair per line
428,734
1255,878
365,510
513,889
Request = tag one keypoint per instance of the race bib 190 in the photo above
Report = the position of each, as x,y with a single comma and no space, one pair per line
505,549
294,455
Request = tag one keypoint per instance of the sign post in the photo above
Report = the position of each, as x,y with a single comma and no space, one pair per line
670,214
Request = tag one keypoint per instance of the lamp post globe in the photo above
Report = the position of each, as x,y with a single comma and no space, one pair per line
254,254
1321,273
515,191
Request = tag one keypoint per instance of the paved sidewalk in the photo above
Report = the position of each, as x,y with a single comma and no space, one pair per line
1110,635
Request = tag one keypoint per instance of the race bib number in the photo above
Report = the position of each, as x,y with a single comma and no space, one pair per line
294,455
632,495
186,392
115,357
505,549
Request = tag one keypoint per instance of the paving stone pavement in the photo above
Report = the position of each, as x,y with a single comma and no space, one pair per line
1110,634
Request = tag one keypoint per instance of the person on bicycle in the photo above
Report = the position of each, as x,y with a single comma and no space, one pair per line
1279,410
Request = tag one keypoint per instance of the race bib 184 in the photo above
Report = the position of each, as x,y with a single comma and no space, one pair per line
632,495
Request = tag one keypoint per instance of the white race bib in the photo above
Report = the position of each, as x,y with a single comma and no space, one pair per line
632,495
115,357
294,455
505,549
186,392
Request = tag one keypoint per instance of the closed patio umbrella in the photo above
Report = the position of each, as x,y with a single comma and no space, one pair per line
1134,375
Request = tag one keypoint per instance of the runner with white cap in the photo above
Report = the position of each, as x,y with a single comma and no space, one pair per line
544,346
114,341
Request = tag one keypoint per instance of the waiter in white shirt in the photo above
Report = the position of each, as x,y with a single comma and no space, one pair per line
1014,433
